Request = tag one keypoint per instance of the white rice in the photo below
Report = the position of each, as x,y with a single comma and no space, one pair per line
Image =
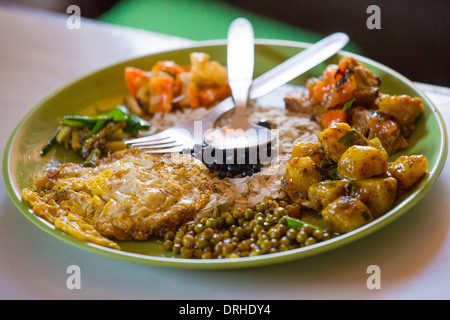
241,191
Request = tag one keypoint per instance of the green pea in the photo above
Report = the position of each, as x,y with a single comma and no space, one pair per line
301,237
255,252
326,236
198,253
291,234
188,241
199,228
220,222
249,214
245,253
234,240
201,242
176,248
279,212
310,241
226,234
218,248
265,246
186,253
261,207
241,221
274,233
257,229
179,235
244,245
216,238
283,228
238,213
260,220
229,220
239,232
227,248
317,234
168,244
285,241
208,232
169,235
211,223
273,250
307,229
274,243
206,255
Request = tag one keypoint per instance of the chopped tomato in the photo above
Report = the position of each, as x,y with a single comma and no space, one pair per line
161,94
209,95
333,116
194,101
168,66
135,78
335,87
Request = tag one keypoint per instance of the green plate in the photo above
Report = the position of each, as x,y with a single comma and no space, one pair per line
22,163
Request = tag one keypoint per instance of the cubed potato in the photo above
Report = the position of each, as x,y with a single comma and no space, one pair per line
361,162
308,149
346,214
385,128
408,170
376,142
377,193
329,140
300,174
404,109
323,193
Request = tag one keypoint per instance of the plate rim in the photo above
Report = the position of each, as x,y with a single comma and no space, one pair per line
244,262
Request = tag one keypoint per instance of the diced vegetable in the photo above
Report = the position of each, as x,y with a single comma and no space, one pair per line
361,162
360,187
346,214
323,193
134,78
388,131
404,109
168,85
161,94
349,92
377,193
92,136
206,72
329,139
300,174
408,170
308,149
333,116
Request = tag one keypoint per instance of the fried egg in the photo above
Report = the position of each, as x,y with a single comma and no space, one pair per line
130,195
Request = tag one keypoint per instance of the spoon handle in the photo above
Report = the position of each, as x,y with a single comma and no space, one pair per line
240,63
287,71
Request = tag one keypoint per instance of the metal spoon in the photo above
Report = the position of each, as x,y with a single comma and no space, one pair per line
240,133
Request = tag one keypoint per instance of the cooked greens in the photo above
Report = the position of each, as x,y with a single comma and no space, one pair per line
92,136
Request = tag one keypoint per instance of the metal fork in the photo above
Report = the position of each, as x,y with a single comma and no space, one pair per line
187,134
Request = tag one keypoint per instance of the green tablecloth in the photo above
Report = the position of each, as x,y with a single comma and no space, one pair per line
200,20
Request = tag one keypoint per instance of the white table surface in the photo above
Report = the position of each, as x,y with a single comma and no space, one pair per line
38,54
